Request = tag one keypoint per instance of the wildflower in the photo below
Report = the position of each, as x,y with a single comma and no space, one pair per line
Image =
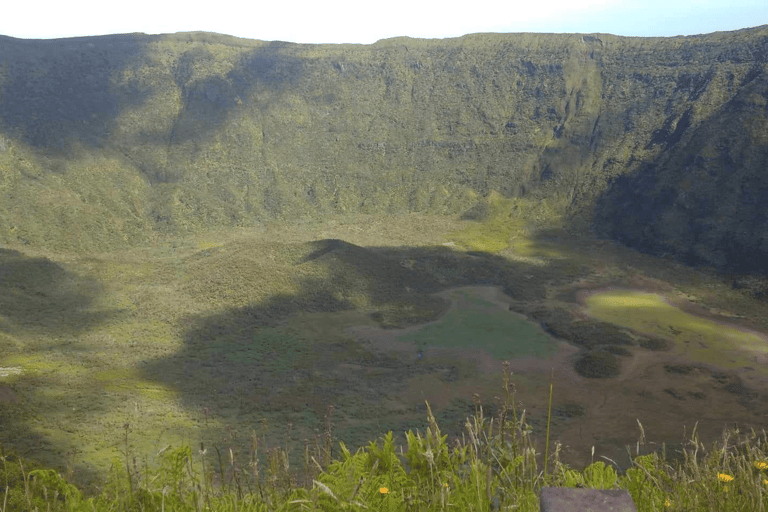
667,503
724,478
383,490
761,465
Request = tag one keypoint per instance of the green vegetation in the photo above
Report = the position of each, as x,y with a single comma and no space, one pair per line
639,311
493,468
194,225
180,338
114,142
505,224
481,325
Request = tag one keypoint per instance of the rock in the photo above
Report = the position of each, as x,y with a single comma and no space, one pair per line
556,499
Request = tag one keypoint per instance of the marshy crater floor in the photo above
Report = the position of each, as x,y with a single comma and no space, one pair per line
710,364
214,336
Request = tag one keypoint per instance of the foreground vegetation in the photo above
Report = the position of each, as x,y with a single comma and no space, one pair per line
492,467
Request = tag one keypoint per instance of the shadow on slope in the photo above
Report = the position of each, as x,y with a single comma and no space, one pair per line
66,91
288,357
63,91
703,202
38,296
44,309
209,98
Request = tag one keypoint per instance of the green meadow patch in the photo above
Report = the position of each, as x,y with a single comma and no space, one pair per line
497,224
479,324
649,313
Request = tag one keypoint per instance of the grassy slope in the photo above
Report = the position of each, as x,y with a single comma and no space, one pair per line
111,142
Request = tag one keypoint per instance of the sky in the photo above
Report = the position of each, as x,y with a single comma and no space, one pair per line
334,21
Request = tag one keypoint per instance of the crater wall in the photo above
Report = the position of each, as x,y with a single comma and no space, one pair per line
660,143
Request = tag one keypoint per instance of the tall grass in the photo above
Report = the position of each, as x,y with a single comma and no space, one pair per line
492,467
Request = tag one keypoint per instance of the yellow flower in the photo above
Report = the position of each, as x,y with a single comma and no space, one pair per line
761,465
667,503
724,478
383,490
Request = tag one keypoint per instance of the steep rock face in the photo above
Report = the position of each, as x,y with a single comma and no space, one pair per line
706,202
108,140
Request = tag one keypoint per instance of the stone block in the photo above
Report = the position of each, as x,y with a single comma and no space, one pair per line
557,499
